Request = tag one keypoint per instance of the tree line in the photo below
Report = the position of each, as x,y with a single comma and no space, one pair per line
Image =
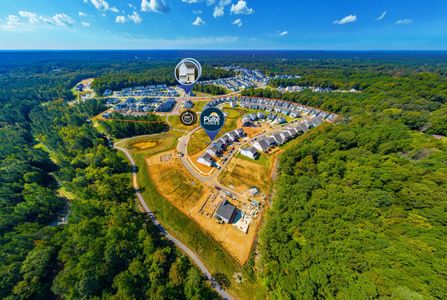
122,126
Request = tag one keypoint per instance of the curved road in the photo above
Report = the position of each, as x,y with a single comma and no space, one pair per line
179,244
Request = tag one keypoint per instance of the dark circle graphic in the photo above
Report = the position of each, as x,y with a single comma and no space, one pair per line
188,118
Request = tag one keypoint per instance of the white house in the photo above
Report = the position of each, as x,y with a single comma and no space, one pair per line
206,160
213,151
186,73
250,152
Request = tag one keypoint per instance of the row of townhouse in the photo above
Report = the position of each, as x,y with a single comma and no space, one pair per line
265,143
245,78
145,105
160,90
277,106
219,146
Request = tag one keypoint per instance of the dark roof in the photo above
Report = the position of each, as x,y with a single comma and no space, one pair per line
252,150
226,210
207,157
264,145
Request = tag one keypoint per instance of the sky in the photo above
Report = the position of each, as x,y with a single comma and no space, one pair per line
224,24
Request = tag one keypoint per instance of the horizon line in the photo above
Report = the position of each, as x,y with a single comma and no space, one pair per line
195,49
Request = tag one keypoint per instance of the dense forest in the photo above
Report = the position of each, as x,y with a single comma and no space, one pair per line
360,209
107,248
210,89
122,126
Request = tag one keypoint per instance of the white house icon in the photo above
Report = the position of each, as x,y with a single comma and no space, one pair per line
186,73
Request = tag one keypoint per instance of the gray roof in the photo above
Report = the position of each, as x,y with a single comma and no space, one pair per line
226,210
264,145
270,141
207,157
252,150
286,134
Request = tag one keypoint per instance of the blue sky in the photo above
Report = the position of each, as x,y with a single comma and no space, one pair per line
224,24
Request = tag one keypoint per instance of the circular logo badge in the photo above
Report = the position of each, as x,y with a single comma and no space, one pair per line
188,118
188,71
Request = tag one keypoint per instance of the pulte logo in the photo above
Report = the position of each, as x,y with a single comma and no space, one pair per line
212,120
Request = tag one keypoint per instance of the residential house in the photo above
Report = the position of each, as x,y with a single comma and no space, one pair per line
250,152
261,145
206,160
278,139
225,212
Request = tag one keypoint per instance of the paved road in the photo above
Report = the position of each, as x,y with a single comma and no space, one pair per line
179,244
210,180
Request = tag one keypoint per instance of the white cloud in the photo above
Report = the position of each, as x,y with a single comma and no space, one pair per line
198,21
382,16
59,20
197,12
191,1
135,17
13,23
218,11
28,21
241,7
237,22
210,2
85,24
120,19
114,9
404,22
346,20
32,17
159,6
283,33
100,4
82,14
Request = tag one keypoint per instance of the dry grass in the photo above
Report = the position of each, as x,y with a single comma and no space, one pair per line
174,183
244,174
145,145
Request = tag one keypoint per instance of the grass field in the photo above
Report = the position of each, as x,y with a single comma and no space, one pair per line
264,160
160,142
175,123
181,226
198,105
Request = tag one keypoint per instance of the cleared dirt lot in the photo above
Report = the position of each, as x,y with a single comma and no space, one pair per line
172,181
244,173
189,195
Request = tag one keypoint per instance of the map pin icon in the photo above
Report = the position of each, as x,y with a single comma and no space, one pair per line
187,73
212,120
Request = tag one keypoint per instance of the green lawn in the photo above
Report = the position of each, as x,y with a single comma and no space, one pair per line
177,124
198,105
263,160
